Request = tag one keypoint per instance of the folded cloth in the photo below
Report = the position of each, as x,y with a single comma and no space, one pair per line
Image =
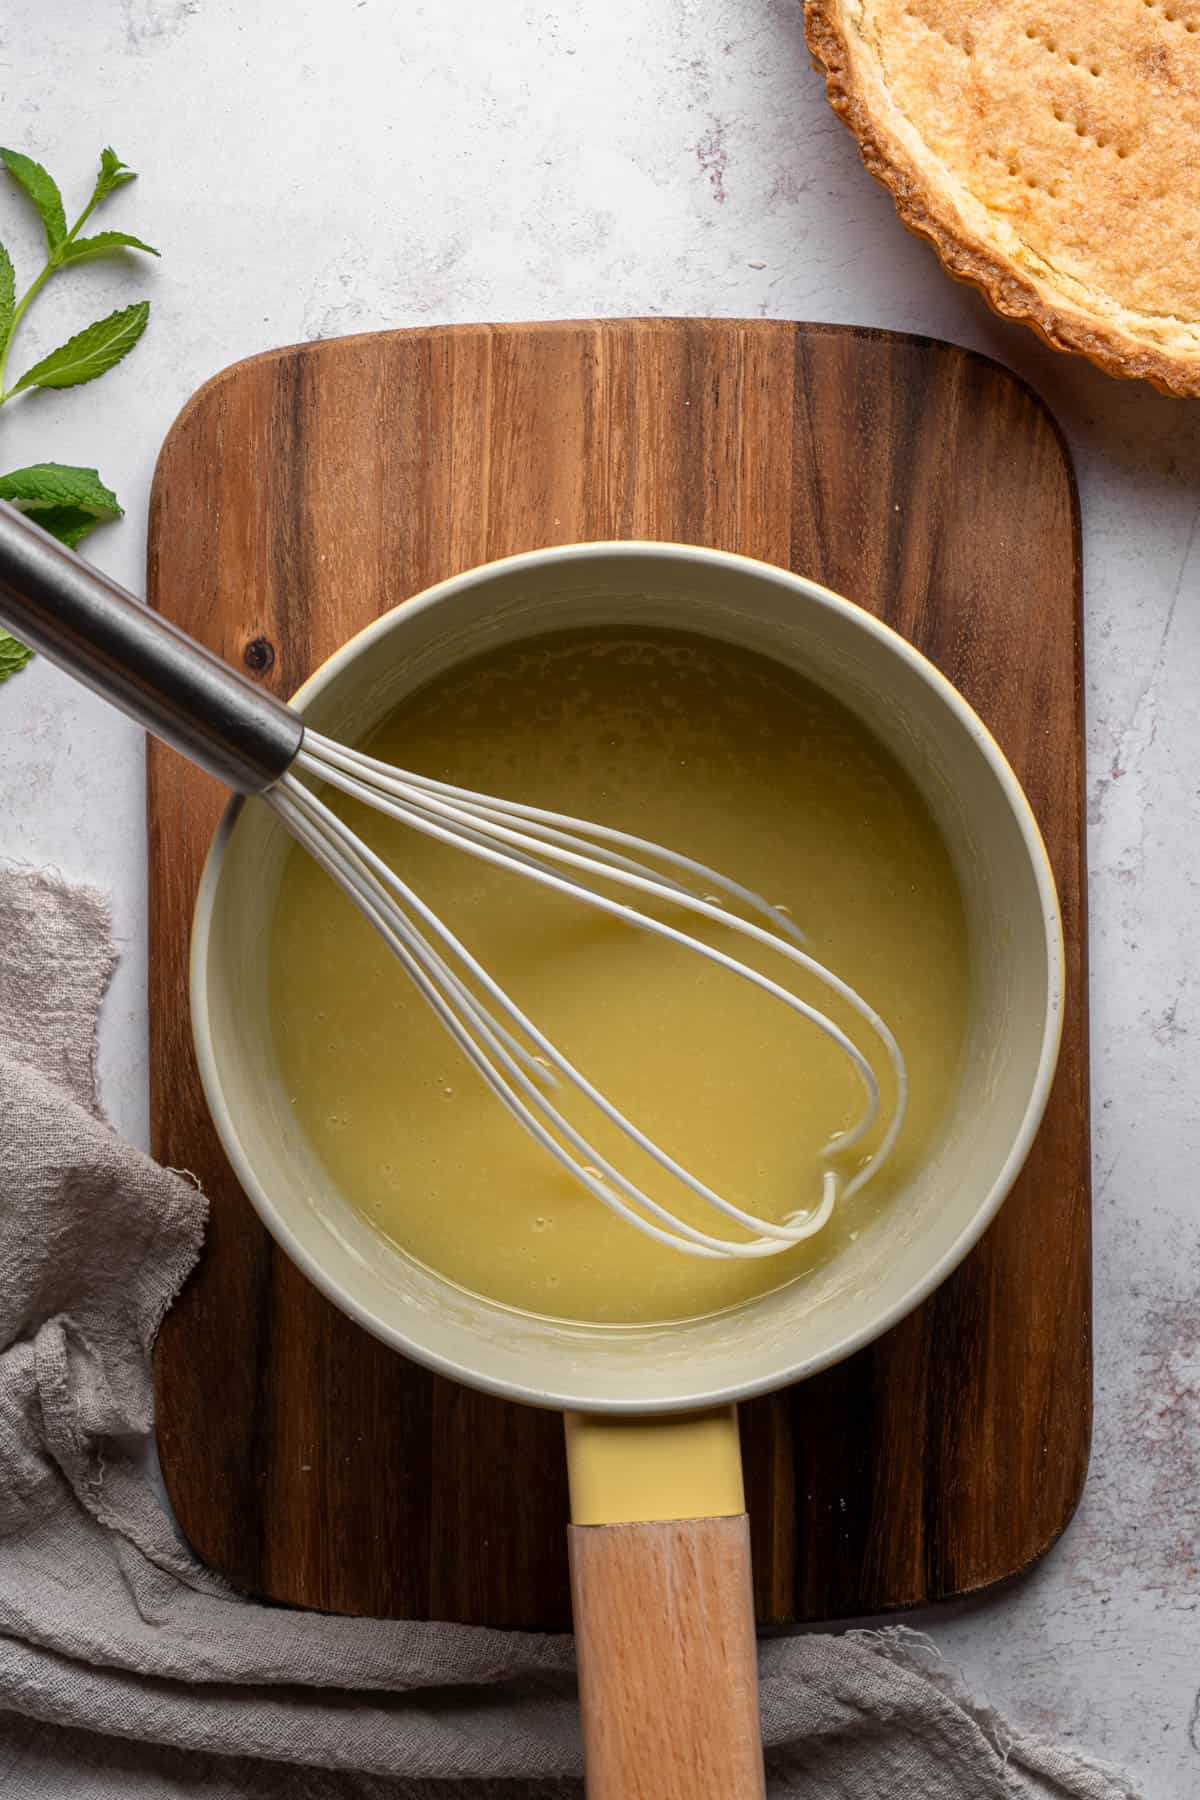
128,1670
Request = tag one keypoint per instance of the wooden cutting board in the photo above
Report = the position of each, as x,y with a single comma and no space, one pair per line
304,492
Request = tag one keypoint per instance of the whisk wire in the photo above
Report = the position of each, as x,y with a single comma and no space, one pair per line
563,853
570,832
424,813
363,874
321,833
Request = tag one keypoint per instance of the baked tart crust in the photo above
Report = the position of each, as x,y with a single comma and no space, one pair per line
1050,153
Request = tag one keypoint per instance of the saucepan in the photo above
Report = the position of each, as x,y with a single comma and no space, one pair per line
659,1542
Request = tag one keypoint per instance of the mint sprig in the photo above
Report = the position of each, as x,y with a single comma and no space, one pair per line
65,500
63,248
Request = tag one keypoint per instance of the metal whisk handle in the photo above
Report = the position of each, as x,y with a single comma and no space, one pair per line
60,605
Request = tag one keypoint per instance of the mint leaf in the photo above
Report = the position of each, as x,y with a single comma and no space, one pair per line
90,352
8,292
113,174
101,244
65,501
42,190
69,524
13,656
44,485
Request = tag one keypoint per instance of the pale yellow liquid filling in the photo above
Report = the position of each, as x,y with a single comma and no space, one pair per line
730,759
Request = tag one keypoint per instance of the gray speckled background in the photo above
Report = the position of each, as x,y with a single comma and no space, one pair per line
346,165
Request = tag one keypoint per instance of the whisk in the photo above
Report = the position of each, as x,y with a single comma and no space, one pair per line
254,743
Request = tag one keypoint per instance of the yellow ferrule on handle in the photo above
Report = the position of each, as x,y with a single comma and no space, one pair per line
681,1466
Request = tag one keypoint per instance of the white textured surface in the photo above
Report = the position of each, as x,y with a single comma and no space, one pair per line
345,165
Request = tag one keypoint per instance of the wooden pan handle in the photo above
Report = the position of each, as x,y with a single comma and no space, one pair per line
668,1672
664,1609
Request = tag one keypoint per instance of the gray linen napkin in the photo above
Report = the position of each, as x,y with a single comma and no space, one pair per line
127,1670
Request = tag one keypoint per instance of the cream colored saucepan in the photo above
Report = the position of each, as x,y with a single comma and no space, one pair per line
659,1544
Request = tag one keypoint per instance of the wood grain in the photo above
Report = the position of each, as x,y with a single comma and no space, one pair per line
302,493
668,1666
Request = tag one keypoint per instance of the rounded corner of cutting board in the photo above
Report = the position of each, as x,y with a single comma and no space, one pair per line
1035,1553
1047,424
206,395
